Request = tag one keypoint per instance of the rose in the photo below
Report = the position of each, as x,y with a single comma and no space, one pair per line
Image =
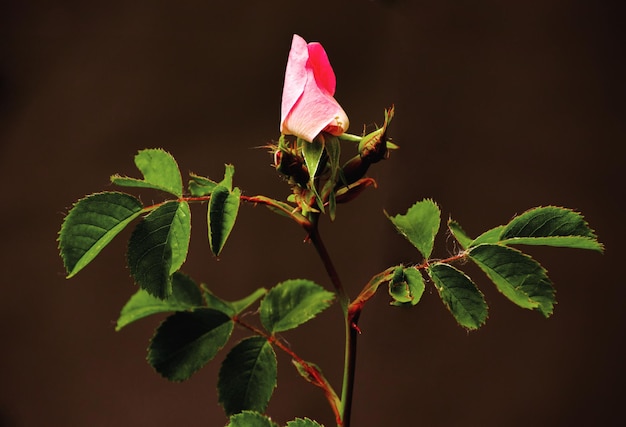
308,106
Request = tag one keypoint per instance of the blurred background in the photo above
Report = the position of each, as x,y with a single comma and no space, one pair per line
500,107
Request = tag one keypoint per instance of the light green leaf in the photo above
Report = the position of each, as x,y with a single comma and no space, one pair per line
406,286
232,308
460,295
186,341
158,247
489,236
229,171
200,186
419,225
292,303
159,169
221,216
303,422
519,277
250,419
91,224
551,226
186,295
459,234
247,377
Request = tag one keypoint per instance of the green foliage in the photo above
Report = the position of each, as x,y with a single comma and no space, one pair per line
185,295
292,303
200,186
158,247
221,216
232,308
406,286
419,225
303,422
460,295
187,340
459,234
247,377
519,277
91,224
250,419
160,171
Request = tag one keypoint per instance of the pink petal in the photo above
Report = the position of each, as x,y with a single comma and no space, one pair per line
295,75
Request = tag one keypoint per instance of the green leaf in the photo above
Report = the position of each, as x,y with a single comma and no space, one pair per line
222,213
250,419
160,171
247,377
460,295
232,308
489,236
406,286
303,422
229,171
419,225
158,247
551,226
292,303
186,341
185,296
459,234
200,186
519,277
91,224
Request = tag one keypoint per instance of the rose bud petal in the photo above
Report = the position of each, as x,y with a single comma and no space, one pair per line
308,106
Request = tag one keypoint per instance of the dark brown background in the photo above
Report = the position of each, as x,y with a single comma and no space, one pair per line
500,107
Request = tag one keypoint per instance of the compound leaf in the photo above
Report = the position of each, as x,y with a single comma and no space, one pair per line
187,340
160,171
186,295
419,225
91,224
460,295
247,377
551,226
158,247
221,216
292,303
250,419
519,277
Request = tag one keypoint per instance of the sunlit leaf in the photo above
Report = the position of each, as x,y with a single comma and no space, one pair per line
160,171
459,234
232,308
91,224
200,186
247,377
187,340
419,225
406,286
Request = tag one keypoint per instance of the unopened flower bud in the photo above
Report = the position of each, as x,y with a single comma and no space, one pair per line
292,165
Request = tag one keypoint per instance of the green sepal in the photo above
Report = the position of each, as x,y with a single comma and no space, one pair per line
250,419
292,303
312,153
187,340
406,286
200,186
221,216
160,171
186,295
419,225
516,275
247,377
158,247
460,295
232,308
551,226
91,224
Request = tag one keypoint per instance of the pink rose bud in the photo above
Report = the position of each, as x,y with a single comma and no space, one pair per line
308,106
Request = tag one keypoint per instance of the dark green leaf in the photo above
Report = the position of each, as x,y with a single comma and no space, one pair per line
551,226
222,213
186,341
186,295
200,186
519,277
159,169
91,224
292,303
419,225
459,234
250,419
158,247
460,295
247,377
406,286
300,422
